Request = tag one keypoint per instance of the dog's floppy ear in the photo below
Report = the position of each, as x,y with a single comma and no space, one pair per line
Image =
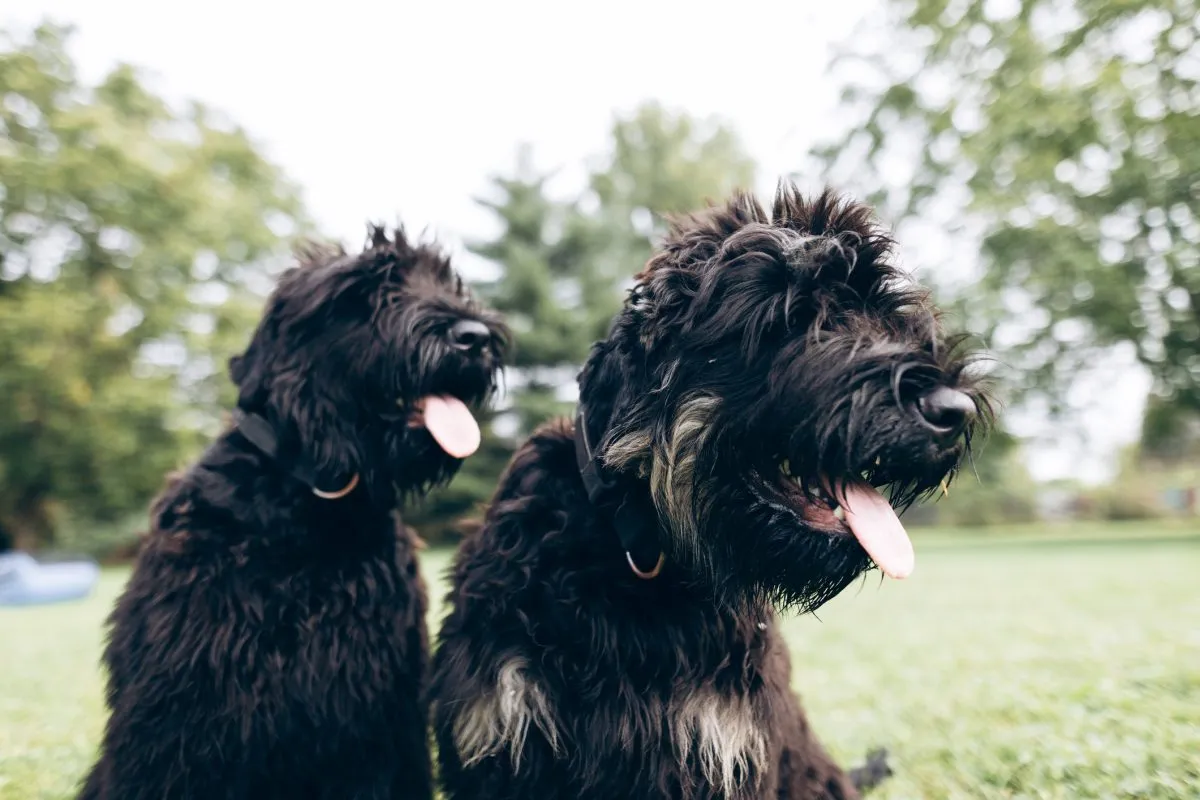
614,409
237,369
307,419
248,374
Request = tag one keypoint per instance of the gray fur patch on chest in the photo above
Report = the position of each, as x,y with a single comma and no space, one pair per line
719,732
499,718
718,735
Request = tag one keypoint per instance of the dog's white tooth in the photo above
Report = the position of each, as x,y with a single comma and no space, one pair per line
786,467
840,513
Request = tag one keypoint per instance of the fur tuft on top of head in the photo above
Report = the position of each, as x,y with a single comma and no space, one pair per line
828,214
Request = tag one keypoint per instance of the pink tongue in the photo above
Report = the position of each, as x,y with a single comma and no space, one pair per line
874,523
451,425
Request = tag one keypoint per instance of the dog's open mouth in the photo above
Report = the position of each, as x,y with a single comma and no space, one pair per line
860,508
449,422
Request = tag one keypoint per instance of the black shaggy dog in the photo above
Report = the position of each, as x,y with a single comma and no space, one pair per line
612,634
271,642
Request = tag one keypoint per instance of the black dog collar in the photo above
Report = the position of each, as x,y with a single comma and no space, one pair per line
638,538
261,434
593,481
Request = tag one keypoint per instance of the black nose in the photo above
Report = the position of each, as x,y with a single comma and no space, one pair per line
469,335
947,411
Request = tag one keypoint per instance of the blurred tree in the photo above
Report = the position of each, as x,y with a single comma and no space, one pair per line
662,163
131,240
564,265
1169,434
1072,127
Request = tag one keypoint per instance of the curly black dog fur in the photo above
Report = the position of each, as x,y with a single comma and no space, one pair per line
271,643
758,359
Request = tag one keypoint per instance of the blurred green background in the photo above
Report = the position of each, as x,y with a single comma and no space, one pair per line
137,238
1039,159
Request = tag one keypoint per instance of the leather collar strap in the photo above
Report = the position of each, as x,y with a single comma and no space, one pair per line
260,433
593,480
635,522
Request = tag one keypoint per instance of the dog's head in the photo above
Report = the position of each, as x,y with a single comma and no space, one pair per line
783,390
366,364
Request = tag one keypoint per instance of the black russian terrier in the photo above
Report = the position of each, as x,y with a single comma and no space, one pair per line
612,633
271,642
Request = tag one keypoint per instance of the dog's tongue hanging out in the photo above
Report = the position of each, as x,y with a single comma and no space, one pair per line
874,523
451,425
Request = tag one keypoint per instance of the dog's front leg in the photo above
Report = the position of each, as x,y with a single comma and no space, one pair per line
806,770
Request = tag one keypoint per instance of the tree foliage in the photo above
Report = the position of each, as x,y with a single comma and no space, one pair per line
1067,130
132,240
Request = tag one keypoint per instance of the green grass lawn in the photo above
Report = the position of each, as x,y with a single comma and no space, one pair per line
1019,663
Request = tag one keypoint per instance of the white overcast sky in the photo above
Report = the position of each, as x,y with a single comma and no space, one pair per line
401,110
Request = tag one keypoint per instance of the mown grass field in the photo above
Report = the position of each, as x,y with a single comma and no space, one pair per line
1060,663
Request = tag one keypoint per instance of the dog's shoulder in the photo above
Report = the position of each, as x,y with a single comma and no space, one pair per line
222,499
544,463
551,443
538,490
